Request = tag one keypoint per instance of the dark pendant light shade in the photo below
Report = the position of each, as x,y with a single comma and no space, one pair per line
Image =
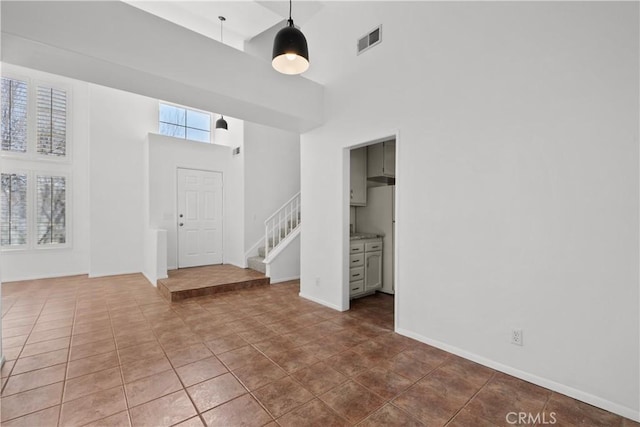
221,123
290,51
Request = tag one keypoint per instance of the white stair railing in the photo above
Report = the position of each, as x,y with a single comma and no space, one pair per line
282,223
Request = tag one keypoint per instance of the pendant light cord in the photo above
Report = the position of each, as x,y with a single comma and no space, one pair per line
290,21
222,19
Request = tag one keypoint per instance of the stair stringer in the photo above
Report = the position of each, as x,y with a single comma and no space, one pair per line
283,262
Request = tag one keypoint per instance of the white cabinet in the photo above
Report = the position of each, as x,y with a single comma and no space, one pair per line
358,196
381,160
356,287
373,270
365,266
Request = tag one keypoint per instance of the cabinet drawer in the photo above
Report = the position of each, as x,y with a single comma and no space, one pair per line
356,260
357,248
356,273
356,287
373,246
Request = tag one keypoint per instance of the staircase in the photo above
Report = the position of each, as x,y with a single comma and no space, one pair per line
279,229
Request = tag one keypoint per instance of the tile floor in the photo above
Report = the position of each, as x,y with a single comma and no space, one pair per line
113,352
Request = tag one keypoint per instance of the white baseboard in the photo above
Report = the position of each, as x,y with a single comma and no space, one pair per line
42,276
284,279
321,302
542,382
115,273
153,281
235,264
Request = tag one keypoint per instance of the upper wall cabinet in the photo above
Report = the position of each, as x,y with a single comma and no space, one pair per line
359,177
381,160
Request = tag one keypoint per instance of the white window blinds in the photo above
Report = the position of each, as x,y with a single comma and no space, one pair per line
13,209
51,121
14,115
51,210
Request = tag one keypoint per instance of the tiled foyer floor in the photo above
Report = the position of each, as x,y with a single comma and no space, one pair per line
112,352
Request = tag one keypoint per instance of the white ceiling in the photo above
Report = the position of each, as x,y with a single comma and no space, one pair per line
244,18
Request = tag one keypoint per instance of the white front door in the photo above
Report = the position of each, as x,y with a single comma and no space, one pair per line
199,218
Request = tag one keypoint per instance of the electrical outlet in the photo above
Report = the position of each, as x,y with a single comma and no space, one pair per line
516,336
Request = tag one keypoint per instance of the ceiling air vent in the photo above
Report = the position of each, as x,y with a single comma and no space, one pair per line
371,39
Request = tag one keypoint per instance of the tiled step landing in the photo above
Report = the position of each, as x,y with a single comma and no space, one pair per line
200,281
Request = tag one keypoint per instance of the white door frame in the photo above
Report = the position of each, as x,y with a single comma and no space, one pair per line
178,209
346,184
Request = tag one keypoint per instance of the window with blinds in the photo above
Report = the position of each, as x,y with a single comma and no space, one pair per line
14,115
33,197
51,210
51,121
13,209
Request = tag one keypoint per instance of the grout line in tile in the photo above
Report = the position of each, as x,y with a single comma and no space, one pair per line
41,409
546,402
22,349
471,398
184,388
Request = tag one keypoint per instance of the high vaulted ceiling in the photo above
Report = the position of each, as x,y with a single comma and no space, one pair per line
114,44
245,19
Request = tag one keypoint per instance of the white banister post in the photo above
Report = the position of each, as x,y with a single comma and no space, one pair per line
266,239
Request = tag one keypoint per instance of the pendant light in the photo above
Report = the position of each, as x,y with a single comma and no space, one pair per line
290,51
221,123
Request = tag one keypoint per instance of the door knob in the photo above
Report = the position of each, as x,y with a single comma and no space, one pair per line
181,215
181,224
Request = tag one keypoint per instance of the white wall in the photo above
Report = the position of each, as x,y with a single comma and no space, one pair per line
166,155
119,123
261,46
33,264
517,185
155,255
286,266
272,175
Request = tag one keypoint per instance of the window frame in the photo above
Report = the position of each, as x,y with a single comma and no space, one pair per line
32,206
32,121
35,164
183,107
25,246
18,154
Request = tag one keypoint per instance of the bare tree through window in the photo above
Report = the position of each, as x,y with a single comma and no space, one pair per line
13,209
51,210
13,111
184,123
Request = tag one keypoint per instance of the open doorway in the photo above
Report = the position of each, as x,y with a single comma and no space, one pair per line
371,262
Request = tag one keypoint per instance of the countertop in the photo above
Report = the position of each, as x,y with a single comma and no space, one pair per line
362,236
